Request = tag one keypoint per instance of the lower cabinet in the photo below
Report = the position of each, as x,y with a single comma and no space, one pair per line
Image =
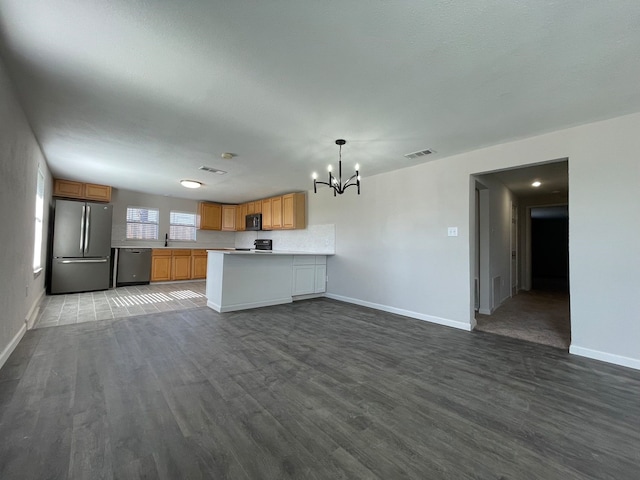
160,265
178,264
198,264
309,274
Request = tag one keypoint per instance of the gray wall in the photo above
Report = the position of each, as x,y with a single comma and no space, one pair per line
121,199
392,249
20,156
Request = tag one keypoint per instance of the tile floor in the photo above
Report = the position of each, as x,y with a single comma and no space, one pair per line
119,302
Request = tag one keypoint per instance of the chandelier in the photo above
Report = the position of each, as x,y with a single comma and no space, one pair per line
336,183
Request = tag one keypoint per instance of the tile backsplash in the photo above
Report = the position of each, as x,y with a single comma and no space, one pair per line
315,238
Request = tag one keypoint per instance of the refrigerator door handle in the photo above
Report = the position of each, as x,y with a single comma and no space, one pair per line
84,211
86,234
85,260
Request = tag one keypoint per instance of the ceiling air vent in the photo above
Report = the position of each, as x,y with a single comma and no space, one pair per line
421,153
212,170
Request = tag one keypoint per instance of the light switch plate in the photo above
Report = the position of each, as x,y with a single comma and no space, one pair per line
452,231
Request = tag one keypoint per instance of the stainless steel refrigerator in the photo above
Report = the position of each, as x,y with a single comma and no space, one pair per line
81,246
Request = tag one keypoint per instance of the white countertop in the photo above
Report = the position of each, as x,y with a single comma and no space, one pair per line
265,252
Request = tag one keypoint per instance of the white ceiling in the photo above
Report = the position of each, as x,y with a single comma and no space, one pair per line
139,94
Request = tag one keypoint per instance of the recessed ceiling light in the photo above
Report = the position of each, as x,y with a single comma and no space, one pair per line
536,184
190,184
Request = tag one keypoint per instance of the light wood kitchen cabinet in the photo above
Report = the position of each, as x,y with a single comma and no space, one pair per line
251,208
209,216
98,193
198,264
229,218
293,211
160,265
67,188
257,206
266,213
180,264
276,213
83,191
241,213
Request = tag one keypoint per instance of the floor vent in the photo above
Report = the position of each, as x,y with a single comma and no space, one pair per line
421,153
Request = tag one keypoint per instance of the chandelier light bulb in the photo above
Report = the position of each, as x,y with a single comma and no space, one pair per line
357,166
314,175
329,168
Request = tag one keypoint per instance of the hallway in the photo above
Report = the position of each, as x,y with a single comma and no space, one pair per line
536,316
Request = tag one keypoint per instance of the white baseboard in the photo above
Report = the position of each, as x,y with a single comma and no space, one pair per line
32,315
400,311
307,296
605,357
6,353
485,311
246,306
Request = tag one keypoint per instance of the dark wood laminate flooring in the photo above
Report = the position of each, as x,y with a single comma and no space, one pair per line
314,390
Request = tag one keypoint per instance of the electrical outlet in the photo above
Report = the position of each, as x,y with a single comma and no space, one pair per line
452,231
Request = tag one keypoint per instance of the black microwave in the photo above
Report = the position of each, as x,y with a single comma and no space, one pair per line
253,221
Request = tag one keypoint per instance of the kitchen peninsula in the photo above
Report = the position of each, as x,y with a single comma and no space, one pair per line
239,280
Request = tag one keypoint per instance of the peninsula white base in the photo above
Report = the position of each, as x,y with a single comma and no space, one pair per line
239,281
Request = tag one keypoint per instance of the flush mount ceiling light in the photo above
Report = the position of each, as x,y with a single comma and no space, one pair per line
536,184
190,184
336,183
228,156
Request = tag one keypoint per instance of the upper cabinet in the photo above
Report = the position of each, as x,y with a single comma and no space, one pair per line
266,213
229,218
285,212
293,211
276,213
83,191
241,213
209,216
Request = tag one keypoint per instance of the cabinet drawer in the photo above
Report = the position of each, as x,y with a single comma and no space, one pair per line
180,253
159,252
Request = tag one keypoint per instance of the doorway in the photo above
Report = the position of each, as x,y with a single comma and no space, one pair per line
525,269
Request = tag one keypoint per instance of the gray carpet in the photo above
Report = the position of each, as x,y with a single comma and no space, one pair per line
537,316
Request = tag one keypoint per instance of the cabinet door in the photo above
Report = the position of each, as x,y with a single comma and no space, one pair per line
241,213
181,267
321,279
303,279
266,213
68,189
293,211
276,213
199,266
210,216
100,193
160,268
229,218
251,208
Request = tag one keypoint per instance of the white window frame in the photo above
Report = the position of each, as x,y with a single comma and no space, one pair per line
135,222
188,226
39,222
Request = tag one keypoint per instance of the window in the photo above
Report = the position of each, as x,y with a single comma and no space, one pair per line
142,223
182,226
37,245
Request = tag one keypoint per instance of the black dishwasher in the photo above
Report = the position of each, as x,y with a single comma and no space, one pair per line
134,266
